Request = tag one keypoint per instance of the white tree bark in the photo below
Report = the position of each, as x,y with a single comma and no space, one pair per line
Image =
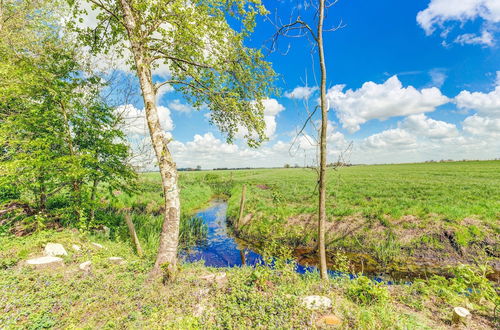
169,238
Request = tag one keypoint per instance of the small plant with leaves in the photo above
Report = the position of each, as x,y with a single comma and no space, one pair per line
364,291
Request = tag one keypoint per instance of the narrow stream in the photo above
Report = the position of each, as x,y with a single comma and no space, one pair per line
223,250
220,249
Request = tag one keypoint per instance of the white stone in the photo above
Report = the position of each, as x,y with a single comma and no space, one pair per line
316,302
76,247
45,262
97,245
219,277
85,266
55,249
116,260
209,277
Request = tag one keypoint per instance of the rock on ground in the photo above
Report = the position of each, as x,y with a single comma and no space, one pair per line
76,247
54,250
45,262
329,319
116,260
316,302
85,266
219,278
97,245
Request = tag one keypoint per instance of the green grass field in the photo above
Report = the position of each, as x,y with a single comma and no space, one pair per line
120,296
451,190
451,210
447,213
442,213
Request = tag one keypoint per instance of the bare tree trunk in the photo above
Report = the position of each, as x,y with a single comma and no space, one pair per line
169,238
133,233
322,164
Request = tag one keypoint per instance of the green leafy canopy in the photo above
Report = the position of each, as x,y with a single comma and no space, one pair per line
205,55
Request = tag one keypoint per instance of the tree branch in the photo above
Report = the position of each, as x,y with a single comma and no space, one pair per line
173,58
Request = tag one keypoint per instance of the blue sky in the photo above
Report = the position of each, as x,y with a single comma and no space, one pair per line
407,81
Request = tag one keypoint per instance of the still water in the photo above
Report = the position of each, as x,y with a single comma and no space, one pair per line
221,249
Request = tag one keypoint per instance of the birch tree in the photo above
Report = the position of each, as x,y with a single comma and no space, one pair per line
207,62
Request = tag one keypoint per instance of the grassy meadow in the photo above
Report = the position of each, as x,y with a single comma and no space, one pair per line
111,296
439,213
443,212
408,218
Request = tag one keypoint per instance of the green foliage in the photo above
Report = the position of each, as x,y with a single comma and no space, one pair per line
192,231
468,287
473,282
342,262
261,297
466,235
364,291
58,138
388,248
9,192
232,82
244,306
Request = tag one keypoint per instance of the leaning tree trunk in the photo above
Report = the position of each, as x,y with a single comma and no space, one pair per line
169,238
322,164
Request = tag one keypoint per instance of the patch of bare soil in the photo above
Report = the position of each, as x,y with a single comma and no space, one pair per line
426,246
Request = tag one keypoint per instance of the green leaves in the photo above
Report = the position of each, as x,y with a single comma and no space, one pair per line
201,45
57,135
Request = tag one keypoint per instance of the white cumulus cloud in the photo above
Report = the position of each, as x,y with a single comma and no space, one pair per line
438,12
134,120
423,126
301,92
393,138
271,109
482,126
177,105
484,103
485,38
381,101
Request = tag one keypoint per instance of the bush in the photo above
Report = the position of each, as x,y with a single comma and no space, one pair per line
364,291
9,192
473,282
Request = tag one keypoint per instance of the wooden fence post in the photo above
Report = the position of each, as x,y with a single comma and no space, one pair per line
133,234
242,205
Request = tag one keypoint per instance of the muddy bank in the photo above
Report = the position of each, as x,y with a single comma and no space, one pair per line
401,249
400,271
